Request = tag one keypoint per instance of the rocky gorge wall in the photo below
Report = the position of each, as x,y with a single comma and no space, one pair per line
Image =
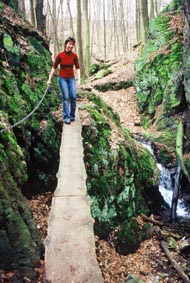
162,81
28,152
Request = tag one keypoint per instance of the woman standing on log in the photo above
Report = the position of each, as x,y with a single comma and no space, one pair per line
67,59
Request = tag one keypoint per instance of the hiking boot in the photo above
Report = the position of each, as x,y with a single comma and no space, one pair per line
67,121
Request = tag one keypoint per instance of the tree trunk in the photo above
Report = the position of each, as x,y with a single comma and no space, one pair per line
115,33
79,37
179,156
151,9
174,263
137,20
55,30
40,17
175,196
21,5
32,14
122,26
180,168
104,20
70,18
144,18
86,36
156,8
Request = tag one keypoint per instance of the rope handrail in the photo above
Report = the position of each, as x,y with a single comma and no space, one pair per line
26,117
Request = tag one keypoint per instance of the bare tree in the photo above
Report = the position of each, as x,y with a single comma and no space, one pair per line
40,17
54,26
122,26
144,18
155,8
137,19
114,26
32,13
71,19
79,37
104,19
86,36
21,5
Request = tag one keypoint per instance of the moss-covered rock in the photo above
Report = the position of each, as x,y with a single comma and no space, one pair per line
19,239
102,73
162,80
118,171
159,79
158,70
113,85
28,150
94,68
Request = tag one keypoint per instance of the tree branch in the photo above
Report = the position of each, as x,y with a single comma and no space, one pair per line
183,276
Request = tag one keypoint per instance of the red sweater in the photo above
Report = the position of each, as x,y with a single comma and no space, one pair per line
66,60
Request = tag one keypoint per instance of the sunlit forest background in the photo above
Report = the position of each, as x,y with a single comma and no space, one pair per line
104,29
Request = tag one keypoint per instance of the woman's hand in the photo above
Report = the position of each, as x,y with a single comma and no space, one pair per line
50,76
78,85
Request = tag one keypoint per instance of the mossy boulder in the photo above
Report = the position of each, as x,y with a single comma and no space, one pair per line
94,68
23,83
28,150
118,170
20,242
113,85
102,73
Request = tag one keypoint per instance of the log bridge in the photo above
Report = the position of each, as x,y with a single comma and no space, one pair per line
70,244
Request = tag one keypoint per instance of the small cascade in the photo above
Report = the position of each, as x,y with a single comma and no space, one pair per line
166,184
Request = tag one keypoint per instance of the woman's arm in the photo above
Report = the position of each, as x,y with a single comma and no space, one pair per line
78,76
51,75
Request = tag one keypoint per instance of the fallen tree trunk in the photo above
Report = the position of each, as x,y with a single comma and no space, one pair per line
174,263
152,220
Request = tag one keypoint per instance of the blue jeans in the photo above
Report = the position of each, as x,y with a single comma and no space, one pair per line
68,89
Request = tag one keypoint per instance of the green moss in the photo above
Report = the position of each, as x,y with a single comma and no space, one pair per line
165,157
173,6
94,68
103,73
116,177
128,238
159,79
104,108
145,121
158,37
38,46
1,7
114,85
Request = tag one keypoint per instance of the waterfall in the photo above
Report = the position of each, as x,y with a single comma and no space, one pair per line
166,184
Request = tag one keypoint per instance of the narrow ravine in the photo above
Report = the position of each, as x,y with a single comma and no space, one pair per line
149,261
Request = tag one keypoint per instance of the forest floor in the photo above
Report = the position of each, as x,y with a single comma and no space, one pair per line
149,262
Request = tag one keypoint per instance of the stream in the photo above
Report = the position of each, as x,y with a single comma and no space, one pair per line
166,184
